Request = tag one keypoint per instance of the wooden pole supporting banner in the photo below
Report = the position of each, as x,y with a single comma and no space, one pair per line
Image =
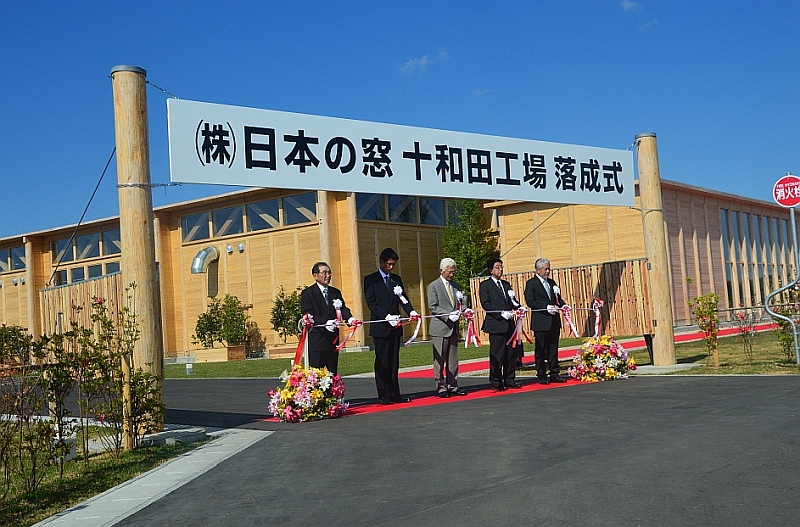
656,249
137,237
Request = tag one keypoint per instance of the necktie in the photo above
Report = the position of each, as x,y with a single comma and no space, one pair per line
449,289
325,294
500,286
547,288
386,279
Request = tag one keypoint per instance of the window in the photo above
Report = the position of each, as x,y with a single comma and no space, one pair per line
18,260
60,277
301,208
77,275
263,215
4,260
111,243
403,209
370,207
431,211
112,267
227,221
62,251
95,271
88,246
195,227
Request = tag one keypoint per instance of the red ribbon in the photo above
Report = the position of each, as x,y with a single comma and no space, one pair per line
301,343
356,324
519,331
567,312
472,335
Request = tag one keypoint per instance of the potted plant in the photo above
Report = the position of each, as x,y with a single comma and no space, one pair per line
224,322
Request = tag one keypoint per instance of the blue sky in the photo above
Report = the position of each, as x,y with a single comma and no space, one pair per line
718,81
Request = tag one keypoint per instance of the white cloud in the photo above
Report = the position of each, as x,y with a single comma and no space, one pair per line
479,92
420,65
646,26
416,65
628,5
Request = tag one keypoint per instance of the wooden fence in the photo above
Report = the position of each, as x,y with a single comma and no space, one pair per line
58,303
622,286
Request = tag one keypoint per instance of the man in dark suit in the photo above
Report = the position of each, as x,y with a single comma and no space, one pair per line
384,310
443,303
499,324
318,300
544,298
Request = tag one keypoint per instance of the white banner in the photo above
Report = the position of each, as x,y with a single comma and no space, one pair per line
232,145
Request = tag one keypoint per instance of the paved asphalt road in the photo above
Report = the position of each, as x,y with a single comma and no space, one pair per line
649,451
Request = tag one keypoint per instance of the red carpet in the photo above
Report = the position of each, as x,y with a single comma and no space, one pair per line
528,384
566,354
482,392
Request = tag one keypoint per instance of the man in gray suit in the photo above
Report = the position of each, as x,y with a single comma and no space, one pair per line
443,302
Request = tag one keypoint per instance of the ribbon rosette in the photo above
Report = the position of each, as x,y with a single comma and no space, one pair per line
459,299
337,305
398,290
472,335
513,297
597,306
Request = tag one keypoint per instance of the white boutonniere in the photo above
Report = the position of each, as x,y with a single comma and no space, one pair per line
398,290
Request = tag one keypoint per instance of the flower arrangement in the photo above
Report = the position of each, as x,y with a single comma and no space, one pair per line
307,395
601,359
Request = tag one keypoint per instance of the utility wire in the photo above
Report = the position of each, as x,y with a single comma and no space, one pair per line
75,231
532,231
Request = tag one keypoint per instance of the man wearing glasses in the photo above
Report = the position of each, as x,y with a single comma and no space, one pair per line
544,299
320,300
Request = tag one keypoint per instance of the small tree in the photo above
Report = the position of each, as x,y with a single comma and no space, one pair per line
704,310
468,240
233,321
223,321
286,313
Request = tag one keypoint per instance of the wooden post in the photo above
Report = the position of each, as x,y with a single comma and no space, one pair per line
323,215
355,264
30,291
656,249
137,238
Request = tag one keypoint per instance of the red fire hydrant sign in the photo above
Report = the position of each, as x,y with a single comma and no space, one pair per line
787,191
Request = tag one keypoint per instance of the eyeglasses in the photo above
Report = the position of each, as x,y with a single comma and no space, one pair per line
326,273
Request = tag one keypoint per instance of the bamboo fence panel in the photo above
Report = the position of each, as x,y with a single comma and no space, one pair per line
622,286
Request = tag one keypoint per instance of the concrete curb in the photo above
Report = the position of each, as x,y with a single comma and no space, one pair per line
116,504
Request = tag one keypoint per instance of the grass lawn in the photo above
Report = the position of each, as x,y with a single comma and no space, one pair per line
350,363
768,358
81,483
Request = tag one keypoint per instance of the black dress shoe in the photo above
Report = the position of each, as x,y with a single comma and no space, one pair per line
385,400
544,381
458,391
514,385
443,395
557,379
401,399
498,388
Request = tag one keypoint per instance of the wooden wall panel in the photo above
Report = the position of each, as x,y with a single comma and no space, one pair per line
591,239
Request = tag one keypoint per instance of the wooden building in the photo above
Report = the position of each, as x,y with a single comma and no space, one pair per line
267,239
